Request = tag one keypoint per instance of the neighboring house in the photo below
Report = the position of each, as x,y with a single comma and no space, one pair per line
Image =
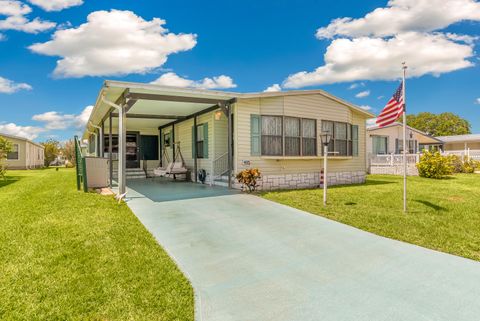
277,132
463,145
25,154
385,148
389,140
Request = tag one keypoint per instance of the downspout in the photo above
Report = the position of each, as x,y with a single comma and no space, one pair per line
94,134
122,182
99,152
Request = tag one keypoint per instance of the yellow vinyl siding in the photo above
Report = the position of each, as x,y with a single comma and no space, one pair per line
313,106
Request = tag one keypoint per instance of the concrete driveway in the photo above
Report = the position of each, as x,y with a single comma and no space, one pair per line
252,259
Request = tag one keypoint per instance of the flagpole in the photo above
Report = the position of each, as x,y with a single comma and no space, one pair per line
404,67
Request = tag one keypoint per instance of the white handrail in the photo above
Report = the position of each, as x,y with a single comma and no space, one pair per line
219,166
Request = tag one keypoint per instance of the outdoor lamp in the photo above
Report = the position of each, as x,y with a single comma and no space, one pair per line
218,115
326,137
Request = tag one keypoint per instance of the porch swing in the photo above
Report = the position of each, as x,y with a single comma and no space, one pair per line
173,168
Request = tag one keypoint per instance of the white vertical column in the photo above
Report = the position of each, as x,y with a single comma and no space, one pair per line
122,144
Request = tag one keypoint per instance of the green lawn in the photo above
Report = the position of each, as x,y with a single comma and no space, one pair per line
443,214
67,255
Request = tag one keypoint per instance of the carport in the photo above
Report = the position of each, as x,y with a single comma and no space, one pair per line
122,105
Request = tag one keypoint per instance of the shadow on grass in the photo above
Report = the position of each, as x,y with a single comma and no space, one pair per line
9,180
431,205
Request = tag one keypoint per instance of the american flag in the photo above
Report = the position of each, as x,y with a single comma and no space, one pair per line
393,110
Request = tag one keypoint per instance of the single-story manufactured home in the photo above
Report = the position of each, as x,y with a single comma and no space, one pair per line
149,128
389,140
26,154
462,145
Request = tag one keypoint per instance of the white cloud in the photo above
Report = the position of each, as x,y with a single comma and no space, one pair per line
363,94
372,47
56,121
273,88
9,87
365,107
113,43
82,118
371,122
174,80
15,12
380,59
403,16
380,97
56,5
29,132
356,85
462,38
477,101
14,8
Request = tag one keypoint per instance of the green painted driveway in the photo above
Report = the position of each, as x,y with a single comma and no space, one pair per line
252,259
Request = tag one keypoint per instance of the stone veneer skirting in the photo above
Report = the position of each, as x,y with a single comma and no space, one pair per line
309,180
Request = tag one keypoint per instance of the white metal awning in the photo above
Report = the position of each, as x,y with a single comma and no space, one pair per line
153,105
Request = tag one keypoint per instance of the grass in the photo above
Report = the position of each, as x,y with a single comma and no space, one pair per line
443,214
67,255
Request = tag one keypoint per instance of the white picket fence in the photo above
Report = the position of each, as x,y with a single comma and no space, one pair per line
393,163
393,159
465,154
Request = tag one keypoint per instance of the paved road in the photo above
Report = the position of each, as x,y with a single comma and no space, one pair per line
252,259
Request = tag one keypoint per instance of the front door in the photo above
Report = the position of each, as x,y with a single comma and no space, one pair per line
132,152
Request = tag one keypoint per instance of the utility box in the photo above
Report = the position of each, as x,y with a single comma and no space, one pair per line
97,169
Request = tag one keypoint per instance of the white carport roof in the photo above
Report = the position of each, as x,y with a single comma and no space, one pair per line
154,106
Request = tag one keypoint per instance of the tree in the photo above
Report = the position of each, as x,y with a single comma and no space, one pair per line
444,124
68,151
5,148
52,150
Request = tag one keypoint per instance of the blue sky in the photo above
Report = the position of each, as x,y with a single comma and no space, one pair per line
238,46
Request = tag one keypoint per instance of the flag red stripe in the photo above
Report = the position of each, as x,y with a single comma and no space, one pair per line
392,110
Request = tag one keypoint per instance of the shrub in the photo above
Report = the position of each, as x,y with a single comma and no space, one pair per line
248,178
471,166
457,163
434,165
69,164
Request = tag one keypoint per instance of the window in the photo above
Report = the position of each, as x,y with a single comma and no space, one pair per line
292,136
13,155
167,137
412,146
114,144
200,144
380,145
344,140
283,136
200,141
309,137
272,140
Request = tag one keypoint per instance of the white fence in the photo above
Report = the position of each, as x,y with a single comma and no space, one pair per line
393,159
465,154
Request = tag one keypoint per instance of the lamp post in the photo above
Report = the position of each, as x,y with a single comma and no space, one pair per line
325,137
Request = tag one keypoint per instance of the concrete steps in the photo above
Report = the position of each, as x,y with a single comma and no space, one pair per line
132,173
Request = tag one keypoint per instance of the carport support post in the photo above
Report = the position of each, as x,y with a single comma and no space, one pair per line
102,139
122,143
110,147
230,142
194,149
